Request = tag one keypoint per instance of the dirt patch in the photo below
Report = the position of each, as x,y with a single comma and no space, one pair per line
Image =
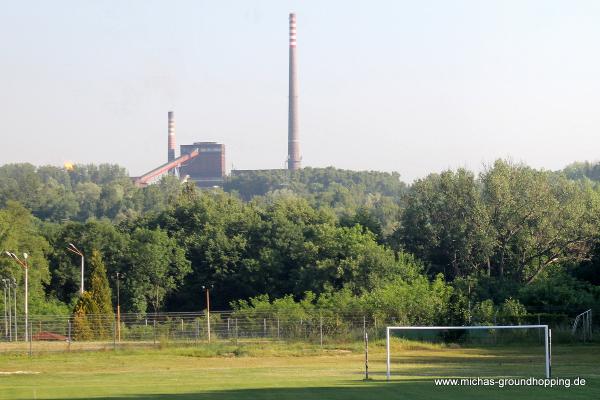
18,372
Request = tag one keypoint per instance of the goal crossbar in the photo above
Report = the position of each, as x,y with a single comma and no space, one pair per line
547,337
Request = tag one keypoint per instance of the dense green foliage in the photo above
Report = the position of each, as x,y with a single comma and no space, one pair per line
88,191
93,313
368,197
450,248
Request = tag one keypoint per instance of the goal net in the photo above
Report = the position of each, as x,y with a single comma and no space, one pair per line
533,339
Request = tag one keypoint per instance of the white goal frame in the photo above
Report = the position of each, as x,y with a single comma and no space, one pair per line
547,338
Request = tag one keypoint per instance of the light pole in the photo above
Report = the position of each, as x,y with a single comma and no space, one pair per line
5,286
118,274
71,247
26,267
15,305
206,288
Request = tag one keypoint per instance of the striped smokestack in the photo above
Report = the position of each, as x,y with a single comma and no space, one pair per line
171,145
293,139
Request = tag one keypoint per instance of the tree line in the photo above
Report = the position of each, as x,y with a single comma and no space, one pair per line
447,248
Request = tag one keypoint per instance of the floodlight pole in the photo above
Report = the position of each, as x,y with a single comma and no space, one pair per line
26,268
118,307
82,267
10,318
4,286
26,297
15,306
26,301
207,310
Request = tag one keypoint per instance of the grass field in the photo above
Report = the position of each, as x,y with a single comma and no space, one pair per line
297,371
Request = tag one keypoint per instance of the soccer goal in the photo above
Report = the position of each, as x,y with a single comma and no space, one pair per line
547,337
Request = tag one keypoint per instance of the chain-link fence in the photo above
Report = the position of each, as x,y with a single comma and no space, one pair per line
105,332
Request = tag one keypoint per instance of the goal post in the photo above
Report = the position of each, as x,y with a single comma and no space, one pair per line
547,338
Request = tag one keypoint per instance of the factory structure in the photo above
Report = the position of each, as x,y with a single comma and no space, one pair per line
200,162
204,162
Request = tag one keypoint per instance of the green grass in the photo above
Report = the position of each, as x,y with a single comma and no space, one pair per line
292,371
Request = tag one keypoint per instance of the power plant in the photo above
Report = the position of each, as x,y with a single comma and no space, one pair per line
201,162
204,162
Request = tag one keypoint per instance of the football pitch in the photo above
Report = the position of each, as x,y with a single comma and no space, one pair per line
295,371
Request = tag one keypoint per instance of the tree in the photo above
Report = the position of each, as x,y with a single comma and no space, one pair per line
100,290
19,233
445,223
538,219
101,235
83,318
158,267
93,315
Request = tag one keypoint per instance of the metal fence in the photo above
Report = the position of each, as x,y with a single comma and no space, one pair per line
104,332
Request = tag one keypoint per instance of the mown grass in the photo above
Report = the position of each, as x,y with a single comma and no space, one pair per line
291,371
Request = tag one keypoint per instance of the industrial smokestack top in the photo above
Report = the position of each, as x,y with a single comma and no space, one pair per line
293,134
171,141
292,29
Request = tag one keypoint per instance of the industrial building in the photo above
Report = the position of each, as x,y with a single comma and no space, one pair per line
204,162
200,162
208,168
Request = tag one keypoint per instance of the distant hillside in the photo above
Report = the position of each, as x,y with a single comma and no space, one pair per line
313,181
368,197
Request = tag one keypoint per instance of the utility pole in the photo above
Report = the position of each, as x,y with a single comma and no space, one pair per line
118,309
5,286
207,310
15,305
23,263
10,316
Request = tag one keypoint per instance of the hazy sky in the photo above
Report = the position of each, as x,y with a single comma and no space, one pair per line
407,86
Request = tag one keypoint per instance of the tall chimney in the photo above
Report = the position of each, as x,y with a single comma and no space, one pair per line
171,145
293,140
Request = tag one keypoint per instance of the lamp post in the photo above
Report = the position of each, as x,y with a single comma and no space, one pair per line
26,267
5,286
14,282
71,247
207,289
118,274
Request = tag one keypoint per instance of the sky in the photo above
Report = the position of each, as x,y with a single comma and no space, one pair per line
409,86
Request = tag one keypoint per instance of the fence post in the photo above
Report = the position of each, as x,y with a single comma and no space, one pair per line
154,331
197,329
208,325
277,328
264,327
321,329
364,325
591,325
366,356
30,337
374,334
236,332
69,337
228,334
584,326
